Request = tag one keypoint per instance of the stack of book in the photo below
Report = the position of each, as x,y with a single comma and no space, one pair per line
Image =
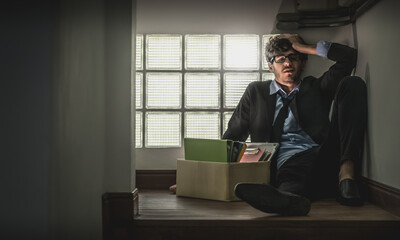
227,150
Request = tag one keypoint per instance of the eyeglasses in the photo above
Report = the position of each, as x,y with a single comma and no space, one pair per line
282,59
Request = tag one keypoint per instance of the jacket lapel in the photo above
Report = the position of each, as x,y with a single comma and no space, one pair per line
270,105
293,108
294,104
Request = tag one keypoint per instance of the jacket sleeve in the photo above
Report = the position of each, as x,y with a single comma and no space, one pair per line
238,126
346,59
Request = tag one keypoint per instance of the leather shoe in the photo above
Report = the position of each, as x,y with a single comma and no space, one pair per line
348,193
270,200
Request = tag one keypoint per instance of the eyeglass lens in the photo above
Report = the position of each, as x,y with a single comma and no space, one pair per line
282,59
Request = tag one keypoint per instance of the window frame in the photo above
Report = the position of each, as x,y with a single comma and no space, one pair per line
222,110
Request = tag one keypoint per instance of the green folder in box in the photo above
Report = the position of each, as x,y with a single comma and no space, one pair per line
209,150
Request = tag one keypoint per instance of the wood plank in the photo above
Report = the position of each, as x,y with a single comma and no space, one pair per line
163,215
118,210
155,179
160,204
382,195
265,232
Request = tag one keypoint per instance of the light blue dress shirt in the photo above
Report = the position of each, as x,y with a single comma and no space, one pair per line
294,138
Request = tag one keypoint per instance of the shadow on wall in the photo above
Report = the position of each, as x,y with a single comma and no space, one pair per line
368,150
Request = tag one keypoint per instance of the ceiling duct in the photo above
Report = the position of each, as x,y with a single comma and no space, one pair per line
327,13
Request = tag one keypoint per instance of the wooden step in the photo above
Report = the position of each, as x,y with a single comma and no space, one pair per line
163,215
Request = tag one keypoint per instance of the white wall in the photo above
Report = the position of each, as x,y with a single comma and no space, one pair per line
91,113
221,17
25,63
66,115
206,16
378,37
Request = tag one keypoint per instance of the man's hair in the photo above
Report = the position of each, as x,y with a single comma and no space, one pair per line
278,45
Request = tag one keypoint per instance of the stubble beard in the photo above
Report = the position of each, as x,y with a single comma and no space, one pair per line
287,80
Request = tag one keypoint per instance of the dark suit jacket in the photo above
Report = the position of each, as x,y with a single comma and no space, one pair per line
255,111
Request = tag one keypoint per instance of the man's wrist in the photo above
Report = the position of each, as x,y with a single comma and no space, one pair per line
323,48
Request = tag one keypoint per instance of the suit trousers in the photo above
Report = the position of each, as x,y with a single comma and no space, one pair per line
313,173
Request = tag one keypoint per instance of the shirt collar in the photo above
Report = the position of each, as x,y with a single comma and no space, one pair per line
275,87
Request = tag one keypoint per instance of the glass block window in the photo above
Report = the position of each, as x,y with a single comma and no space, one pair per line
164,52
163,129
139,90
234,86
138,129
139,52
265,39
268,76
202,125
163,90
241,52
202,90
202,52
189,85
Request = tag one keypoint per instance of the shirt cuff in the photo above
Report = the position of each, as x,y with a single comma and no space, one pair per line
323,48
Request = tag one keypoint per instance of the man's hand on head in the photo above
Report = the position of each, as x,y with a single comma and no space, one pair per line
298,45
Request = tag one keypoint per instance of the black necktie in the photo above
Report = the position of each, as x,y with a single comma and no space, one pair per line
280,120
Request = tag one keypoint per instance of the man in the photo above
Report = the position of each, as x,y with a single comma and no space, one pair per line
318,154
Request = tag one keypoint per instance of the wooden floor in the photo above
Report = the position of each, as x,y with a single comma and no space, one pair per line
163,215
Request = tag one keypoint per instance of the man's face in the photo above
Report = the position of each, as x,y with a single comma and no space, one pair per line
287,72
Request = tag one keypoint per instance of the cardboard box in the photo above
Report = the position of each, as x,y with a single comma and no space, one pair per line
217,180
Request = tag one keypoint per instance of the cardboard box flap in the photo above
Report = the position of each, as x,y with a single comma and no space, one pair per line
202,179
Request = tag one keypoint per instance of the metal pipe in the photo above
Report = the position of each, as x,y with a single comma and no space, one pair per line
291,21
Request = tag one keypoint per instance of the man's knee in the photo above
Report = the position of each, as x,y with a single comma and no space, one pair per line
352,90
353,83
